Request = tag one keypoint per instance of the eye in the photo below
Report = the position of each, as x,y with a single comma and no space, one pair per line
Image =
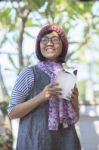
55,39
44,40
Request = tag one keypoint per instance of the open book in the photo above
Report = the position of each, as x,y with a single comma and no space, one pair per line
67,81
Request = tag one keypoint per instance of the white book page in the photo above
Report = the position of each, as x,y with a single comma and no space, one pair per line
66,82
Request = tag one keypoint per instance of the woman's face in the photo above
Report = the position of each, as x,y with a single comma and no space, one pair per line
51,46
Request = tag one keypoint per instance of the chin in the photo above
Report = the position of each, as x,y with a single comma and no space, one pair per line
51,58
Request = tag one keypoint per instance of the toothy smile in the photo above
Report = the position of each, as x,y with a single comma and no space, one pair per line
50,49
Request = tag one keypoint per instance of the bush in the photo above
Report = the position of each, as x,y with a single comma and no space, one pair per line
6,138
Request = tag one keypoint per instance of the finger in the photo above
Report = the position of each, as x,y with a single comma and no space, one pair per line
53,84
75,88
54,89
53,92
75,91
56,94
74,98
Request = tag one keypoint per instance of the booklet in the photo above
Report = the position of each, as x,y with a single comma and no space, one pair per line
66,81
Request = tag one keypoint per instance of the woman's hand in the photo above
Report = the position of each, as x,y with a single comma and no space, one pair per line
74,98
52,90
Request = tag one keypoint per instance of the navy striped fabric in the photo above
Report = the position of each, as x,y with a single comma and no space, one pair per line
21,88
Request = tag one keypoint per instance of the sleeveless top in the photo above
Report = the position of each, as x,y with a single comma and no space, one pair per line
33,131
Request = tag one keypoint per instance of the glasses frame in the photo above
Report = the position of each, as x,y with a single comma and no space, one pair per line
50,39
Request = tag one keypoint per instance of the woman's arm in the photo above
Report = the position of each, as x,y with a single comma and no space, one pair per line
22,109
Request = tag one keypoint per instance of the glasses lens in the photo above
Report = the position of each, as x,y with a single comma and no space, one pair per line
55,40
44,40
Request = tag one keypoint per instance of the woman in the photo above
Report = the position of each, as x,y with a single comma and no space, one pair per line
46,120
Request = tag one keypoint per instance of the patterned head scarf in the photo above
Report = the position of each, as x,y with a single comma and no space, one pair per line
47,29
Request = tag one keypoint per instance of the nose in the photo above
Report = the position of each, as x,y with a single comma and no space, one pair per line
50,42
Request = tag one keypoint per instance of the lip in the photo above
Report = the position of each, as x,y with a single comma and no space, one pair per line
50,49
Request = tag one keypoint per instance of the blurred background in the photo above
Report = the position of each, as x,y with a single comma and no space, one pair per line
20,22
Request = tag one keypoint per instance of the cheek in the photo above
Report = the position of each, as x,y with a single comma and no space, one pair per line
59,48
41,48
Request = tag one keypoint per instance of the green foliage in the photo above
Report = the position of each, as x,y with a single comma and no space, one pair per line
72,8
34,5
29,23
6,139
3,107
6,21
5,18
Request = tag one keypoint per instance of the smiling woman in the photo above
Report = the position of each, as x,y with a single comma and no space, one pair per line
46,120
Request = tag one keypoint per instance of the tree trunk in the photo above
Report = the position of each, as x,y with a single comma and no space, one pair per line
2,85
20,41
22,21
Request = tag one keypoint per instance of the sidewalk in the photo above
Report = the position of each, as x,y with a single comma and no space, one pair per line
88,127
88,131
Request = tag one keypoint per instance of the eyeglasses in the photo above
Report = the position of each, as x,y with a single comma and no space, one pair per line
54,40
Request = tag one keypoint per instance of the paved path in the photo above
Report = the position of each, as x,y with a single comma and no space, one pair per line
88,130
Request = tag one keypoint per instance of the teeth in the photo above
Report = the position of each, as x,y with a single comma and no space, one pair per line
50,49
